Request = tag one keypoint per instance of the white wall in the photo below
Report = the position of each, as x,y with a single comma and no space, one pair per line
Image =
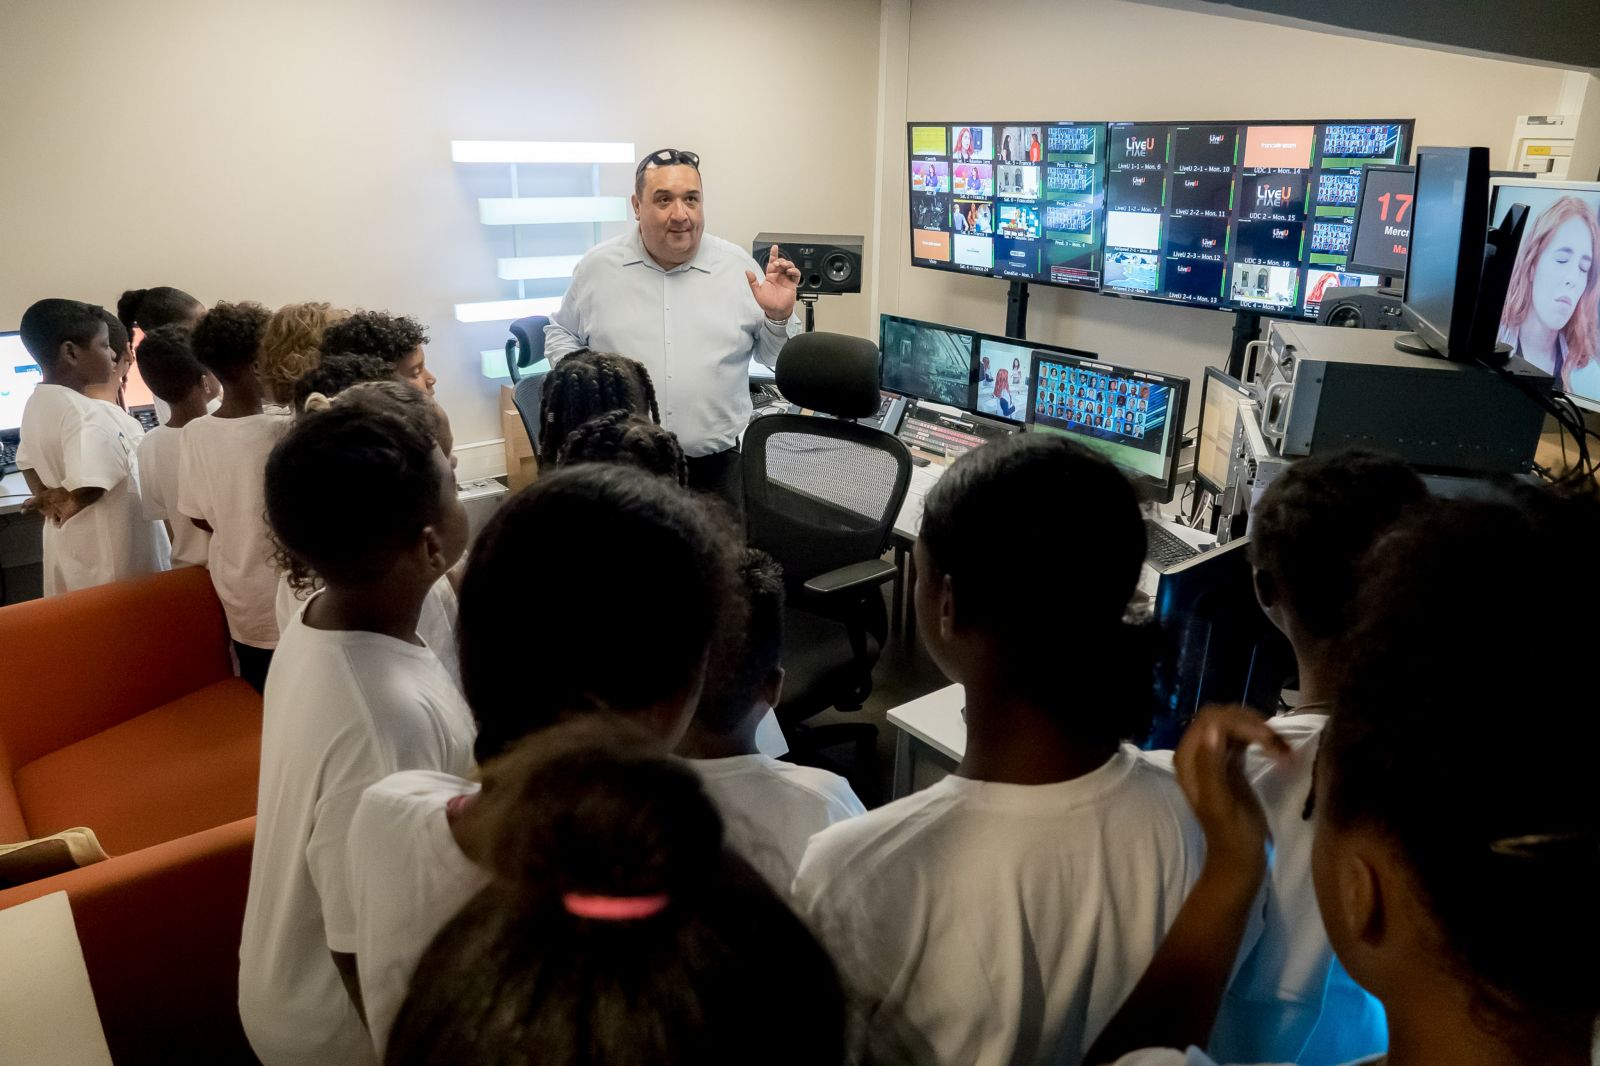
1109,59
299,149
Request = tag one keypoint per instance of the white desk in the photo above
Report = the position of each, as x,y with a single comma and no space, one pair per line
13,493
932,726
47,1009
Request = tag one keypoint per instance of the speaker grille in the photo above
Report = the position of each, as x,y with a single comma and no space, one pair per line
837,267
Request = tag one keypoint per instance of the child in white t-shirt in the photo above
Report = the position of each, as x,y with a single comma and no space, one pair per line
1001,915
1308,533
770,808
222,459
1454,850
361,493
409,874
78,454
168,366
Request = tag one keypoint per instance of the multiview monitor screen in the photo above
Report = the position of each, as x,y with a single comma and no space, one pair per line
1551,315
1134,417
1250,216
1021,200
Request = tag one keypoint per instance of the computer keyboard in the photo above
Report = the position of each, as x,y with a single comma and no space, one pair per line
1164,547
8,457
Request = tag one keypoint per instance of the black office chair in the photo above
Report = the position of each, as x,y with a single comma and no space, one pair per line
821,496
524,349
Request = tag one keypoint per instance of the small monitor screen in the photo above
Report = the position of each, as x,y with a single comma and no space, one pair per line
1219,419
926,360
1131,416
1551,316
1382,238
18,375
1004,367
1436,287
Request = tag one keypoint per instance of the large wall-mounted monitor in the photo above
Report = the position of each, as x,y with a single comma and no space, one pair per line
1551,314
1248,216
1133,417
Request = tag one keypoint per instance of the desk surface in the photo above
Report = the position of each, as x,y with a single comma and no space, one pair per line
936,720
909,520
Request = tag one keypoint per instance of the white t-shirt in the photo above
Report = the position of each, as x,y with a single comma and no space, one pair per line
158,487
1277,995
436,625
771,809
408,878
990,924
1166,1056
74,442
343,710
222,480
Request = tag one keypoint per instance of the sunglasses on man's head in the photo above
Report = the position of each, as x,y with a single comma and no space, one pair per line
669,157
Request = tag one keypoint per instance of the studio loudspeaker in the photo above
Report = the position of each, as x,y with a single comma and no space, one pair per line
829,263
1363,307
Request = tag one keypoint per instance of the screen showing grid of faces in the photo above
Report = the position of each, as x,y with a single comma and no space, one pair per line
1234,216
1131,416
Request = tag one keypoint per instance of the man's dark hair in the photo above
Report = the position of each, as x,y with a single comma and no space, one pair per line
167,363
1475,755
1037,492
592,543
592,809
49,324
337,373
149,309
378,333
623,437
584,385
350,485
1317,519
228,337
754,655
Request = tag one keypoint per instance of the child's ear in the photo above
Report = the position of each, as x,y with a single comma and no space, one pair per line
772,688
433,551
947,607
1266,588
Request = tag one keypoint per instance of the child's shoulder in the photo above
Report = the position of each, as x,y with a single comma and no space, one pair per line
897,828
822,785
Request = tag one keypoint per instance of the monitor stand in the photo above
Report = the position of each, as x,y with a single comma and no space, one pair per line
1017,310
1412,344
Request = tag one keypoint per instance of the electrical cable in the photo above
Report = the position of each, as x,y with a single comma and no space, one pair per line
1569,419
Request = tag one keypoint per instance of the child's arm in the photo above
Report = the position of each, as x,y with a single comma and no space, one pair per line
1175,1003
77,500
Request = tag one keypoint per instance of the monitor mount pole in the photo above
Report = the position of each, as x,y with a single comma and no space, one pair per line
1246,328
1017,310
810,300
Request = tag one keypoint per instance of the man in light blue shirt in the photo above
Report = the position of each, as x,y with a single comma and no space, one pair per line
692,308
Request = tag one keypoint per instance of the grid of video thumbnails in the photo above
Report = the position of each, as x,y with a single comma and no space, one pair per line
1012,201
1100,402
1235,216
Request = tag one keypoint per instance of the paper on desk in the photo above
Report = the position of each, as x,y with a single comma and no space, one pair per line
47,1011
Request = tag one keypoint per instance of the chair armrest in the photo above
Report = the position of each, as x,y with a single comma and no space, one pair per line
852,578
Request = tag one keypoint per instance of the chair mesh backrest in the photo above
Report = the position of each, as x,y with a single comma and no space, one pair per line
821,494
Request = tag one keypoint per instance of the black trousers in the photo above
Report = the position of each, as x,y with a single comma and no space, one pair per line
253,663
721,474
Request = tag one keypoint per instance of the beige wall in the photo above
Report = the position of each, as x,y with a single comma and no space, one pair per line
300,150
1119,60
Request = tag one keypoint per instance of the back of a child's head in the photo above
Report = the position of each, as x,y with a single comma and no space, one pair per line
333,374
1032,495
48,324
598,587
116,333
167,363
227,339
753,654
1317,519
624,437
150,309
616,928
1464,732
584,385
291,344
351,483
376,333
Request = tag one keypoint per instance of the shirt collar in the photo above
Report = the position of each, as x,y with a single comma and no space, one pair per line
637,254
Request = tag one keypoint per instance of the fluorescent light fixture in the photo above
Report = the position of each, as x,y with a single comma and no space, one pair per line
494,365
507,310
542,210
541,152
532,267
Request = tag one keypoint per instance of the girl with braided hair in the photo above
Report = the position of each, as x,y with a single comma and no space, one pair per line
585,384
623,437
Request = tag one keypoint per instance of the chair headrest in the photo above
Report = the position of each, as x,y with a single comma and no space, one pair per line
529,333
831,373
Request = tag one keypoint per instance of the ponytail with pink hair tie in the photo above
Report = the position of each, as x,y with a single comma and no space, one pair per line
614,908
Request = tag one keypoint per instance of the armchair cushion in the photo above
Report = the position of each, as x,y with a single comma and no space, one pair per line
188,765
